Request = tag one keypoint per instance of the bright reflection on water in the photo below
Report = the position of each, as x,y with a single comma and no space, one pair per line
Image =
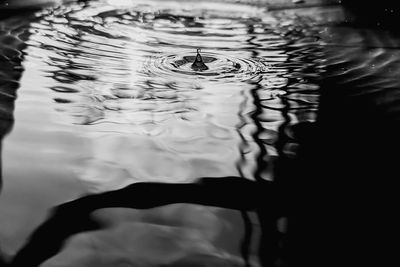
116,69
108,98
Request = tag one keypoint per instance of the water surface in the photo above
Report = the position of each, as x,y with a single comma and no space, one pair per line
107,98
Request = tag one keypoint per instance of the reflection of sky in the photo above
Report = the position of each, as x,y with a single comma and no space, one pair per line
141,126
98,63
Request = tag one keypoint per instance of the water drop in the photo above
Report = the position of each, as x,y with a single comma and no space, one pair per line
198,64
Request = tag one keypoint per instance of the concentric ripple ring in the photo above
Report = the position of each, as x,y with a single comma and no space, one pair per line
221,68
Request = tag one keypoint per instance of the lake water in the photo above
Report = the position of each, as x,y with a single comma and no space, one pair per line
106,98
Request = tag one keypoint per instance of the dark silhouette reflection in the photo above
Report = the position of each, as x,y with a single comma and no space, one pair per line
230,192
342,185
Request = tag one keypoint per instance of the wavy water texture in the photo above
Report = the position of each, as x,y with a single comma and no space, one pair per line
370,82
109,91
125,71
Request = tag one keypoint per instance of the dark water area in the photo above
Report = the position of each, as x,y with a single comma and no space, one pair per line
116,151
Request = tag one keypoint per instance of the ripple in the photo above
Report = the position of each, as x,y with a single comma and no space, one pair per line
221,68
126,67
109,95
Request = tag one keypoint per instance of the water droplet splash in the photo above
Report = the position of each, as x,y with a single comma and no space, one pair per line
198,64
213,66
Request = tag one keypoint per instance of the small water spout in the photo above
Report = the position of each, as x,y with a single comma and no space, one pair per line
198,64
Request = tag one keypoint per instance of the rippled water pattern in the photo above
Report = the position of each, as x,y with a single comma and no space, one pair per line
124,69
369,81
109,98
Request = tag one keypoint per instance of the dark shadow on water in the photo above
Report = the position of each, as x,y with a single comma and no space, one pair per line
342,186
230,192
